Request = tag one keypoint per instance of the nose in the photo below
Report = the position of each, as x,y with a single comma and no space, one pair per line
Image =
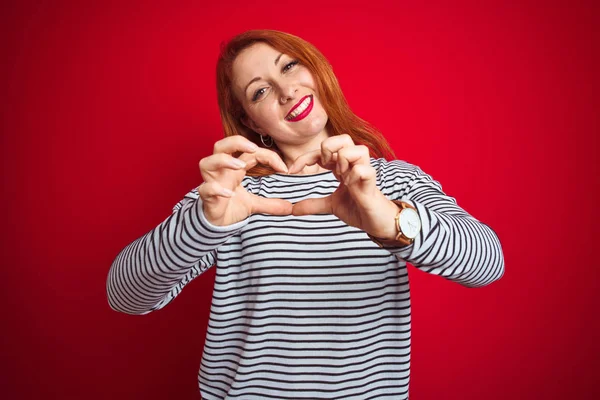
288,93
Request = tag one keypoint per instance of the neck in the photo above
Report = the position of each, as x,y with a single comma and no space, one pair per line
292,151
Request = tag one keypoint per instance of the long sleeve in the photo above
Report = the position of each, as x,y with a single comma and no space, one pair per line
151,271
452,243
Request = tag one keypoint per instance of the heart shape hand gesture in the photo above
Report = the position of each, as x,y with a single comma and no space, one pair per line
357,201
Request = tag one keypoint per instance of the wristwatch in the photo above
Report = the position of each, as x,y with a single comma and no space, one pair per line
408,225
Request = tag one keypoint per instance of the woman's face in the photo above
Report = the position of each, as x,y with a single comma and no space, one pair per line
269,84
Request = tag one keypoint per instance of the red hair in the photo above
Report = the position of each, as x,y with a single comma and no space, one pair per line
341,119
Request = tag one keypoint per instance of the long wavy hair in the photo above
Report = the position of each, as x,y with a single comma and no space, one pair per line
341,119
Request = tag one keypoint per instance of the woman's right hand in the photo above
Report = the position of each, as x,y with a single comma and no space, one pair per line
225,201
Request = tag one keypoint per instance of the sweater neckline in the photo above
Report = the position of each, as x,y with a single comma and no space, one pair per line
320,176
302,178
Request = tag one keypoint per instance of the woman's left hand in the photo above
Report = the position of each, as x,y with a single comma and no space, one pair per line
357,201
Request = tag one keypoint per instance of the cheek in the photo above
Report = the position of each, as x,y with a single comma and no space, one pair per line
265,115
306,79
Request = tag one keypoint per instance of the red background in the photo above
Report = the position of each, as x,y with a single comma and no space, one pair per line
108,107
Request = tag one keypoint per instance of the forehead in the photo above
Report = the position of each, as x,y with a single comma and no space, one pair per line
252,62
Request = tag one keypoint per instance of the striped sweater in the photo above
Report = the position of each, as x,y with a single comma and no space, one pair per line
305,307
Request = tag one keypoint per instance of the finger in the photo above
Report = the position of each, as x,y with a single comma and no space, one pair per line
306,159
265,157
313,206
209,190
350,156
235,143
360,178
332,145
270,206
218,161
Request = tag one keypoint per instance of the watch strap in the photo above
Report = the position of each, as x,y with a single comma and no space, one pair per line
401,239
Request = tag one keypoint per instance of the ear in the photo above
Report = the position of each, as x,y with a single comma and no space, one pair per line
250,124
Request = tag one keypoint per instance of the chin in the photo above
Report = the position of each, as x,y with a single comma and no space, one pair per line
318,123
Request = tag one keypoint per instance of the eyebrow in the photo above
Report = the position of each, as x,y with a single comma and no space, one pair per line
258,78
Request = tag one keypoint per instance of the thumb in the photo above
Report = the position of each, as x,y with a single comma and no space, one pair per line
270,206
313,206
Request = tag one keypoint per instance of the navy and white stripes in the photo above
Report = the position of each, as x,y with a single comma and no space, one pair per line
305,307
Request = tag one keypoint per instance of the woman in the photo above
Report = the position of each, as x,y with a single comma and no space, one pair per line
310,229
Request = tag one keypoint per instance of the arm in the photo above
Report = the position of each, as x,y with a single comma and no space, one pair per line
151,271
452,243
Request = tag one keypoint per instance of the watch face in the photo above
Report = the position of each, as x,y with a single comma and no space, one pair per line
410,223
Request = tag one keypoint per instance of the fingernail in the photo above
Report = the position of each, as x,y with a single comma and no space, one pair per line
227,192
251,147
238,163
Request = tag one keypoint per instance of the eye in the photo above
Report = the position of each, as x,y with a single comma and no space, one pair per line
285,68
257,93
290,64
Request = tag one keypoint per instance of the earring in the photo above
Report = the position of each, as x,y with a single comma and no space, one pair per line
269,141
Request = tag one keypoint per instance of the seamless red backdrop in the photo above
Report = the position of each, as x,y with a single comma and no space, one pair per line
107,107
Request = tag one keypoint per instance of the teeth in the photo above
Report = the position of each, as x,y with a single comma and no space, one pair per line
300,108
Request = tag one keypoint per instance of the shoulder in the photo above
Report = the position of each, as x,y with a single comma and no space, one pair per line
395,169
397,178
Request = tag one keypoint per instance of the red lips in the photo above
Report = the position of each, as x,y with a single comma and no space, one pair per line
296,106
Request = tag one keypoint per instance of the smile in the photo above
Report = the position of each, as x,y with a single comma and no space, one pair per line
300,110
